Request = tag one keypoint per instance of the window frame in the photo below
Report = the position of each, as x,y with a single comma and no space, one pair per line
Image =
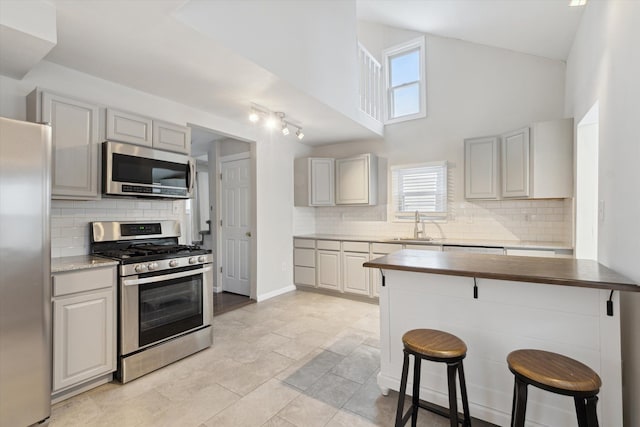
387,54
410,216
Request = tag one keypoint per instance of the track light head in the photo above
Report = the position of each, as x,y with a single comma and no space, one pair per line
273,119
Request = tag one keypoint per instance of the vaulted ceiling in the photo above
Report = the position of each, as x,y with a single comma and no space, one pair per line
142,45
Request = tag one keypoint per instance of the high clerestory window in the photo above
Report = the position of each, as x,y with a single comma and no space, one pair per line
420,187
405,81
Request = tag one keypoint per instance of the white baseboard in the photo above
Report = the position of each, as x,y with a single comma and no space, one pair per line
275,293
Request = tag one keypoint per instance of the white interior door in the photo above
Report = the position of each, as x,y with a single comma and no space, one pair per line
235,229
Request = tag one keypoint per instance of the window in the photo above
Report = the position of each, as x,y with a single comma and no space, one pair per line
405,81
421,188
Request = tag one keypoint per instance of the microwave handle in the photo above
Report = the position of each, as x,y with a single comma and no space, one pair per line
192,175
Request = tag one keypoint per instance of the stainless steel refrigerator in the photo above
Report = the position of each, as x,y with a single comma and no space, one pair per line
25,268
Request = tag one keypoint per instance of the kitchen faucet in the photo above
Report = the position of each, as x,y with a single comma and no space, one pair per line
416,232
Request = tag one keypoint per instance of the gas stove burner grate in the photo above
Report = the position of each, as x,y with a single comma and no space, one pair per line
150,248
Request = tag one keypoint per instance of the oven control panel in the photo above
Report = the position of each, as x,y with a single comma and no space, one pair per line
165,264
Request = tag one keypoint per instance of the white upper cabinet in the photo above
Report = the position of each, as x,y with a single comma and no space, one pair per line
515,164
356,180
481,168
74,138
136,129
171,137
314,181
552,159
535,162
128,127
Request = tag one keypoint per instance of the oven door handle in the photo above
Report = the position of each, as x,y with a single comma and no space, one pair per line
135,281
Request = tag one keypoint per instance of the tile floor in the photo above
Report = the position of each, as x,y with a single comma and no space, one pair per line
301,359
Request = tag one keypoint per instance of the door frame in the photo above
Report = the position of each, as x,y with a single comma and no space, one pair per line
248,155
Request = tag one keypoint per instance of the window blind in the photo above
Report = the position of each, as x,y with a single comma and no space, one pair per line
421,188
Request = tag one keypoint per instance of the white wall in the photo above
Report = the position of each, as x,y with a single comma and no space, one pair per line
604,66
274,165
274,212
472,90
310,44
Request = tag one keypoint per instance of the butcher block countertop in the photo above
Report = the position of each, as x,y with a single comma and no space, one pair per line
554,271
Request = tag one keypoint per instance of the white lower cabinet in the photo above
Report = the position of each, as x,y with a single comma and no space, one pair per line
304,262
379,250
84,333
328,270
355,277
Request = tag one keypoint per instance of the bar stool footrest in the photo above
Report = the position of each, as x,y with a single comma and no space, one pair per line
436,409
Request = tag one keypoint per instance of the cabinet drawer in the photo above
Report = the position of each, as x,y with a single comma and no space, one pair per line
385,248
304,243
330,245
545,253
82,280
304,276
355,247
304,257
475,250
424,247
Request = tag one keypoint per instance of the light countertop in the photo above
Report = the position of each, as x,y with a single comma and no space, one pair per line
509,244
80,262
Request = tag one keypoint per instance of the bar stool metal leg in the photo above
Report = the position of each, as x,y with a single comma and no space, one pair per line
592,415
581,411
416,390
465,401
403,389
453,400
519,403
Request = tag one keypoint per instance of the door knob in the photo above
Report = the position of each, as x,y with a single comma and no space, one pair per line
248,234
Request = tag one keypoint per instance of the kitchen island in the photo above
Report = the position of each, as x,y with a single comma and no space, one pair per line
497,304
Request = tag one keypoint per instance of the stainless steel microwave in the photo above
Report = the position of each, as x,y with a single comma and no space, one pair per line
130,170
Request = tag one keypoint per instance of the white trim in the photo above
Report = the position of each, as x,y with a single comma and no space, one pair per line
421,164
277,292
419,43
238,156
396,216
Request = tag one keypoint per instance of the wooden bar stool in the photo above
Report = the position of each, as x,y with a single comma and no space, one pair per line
436,346
557,374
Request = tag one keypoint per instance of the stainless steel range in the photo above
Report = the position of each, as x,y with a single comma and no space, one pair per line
165,293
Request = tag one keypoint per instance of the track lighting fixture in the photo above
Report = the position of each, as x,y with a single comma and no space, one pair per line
272,119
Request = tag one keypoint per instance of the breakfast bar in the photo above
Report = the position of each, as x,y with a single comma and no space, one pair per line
497,304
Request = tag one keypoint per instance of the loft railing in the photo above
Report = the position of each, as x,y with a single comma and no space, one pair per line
370,83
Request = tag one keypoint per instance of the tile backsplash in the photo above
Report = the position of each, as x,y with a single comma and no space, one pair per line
70,219
531,220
